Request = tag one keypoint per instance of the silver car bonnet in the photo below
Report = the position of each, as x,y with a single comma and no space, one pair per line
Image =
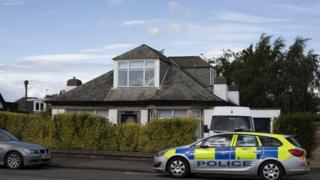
20,144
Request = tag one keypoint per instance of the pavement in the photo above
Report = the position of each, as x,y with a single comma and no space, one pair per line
101,163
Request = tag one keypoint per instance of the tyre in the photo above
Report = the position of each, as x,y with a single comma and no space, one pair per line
178,167
271,170
14,160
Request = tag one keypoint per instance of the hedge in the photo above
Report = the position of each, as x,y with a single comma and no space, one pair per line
301,126
83,131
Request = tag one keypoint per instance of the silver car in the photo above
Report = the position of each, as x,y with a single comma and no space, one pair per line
15,154
269,156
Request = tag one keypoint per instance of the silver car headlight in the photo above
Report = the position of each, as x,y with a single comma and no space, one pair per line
161,153
30,151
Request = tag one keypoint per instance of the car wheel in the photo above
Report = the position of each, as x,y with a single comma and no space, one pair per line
271,170
14,160
178,167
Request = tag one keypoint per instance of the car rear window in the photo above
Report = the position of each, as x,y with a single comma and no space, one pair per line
293,141
269,141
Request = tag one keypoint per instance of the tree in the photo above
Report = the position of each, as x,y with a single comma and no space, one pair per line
269,76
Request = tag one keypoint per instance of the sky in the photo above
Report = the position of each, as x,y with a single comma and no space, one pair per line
48,42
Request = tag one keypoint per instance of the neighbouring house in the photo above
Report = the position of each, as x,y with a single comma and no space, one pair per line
7,106
2,103
145,84
31,105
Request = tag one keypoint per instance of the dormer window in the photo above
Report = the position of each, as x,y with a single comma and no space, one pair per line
136,73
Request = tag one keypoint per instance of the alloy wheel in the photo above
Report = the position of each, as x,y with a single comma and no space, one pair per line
177,168
271,171
14,161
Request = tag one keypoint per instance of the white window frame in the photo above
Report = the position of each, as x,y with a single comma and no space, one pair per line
37,109
39,106
172,113
197,110
144,72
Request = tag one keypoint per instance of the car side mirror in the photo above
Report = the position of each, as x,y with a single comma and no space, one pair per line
205,129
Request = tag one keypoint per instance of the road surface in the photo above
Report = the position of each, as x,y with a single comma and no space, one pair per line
49,173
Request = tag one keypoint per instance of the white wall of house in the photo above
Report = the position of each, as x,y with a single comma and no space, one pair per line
1,106
113,116
233,96
56,111
143,116
266,113
221,90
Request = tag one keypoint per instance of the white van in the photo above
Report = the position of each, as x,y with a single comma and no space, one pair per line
237,118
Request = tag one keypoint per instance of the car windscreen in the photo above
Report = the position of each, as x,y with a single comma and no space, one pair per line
231,123
293,141
5,136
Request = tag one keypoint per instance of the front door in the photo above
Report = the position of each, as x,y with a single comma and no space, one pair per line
128,116
213,153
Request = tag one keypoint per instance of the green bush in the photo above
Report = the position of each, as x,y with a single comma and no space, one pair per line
165,133
301,126
83,131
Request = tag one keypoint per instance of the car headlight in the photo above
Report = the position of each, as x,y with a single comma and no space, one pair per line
30,151
161,153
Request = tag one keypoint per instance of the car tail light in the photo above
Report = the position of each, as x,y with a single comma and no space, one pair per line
297,152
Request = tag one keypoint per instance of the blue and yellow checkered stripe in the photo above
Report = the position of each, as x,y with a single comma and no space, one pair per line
231,153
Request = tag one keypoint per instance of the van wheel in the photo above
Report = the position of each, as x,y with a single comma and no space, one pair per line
178,167
271,170
14,160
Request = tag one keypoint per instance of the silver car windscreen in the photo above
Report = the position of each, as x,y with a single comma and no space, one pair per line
5,136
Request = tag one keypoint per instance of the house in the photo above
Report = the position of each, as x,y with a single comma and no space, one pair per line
31,105
2,103
7,106
145,84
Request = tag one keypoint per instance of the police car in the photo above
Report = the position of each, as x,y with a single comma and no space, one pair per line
269,156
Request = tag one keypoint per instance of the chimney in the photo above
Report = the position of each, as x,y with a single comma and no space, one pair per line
233,93
73,83
26,82
220,87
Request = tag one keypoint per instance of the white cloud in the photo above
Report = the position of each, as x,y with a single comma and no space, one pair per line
73,25
108,47
245,18
117,46
66,57
152,31
134,22
51,71
115,2
175,27
174,5
11,2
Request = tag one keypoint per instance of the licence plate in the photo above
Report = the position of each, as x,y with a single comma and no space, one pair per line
45,156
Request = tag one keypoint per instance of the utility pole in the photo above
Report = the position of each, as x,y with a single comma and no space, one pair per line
26,82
